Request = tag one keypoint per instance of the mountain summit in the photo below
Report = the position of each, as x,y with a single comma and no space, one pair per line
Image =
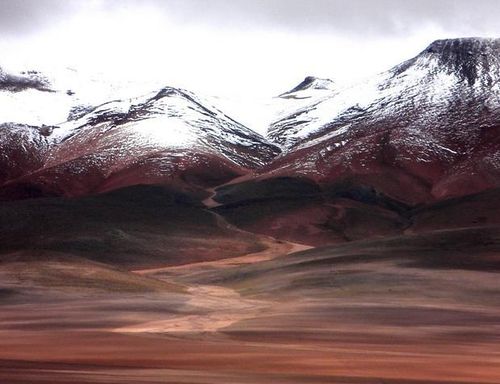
431,123
445,75
474,59
425,130
311,82
169,137
23,81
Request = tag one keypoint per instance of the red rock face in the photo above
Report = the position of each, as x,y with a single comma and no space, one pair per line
315,222
22,150
384,154
427,130
188,172
394,167
168,138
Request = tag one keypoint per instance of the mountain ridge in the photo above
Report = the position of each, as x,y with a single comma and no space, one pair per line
168,137
430,122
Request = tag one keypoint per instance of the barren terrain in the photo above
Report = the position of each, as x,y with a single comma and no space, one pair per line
408,309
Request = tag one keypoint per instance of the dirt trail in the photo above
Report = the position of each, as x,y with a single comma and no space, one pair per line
209,202
274,250
213,308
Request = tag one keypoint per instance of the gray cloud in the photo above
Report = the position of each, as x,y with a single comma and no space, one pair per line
380,17
20,17
359,17
350,16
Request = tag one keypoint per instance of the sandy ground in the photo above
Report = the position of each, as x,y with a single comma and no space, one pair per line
274,250
264,318
229,308
209,202
221,306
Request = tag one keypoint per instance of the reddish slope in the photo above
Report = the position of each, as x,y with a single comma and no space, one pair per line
22,150
426,130
378,158
139,227
168,137
339,216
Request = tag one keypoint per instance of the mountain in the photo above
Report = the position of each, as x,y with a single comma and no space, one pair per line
49,96
310,83
23,81
164,137
134,226
150,238
430,126
23,149
35,97
439,77
310,91
358,161
339,163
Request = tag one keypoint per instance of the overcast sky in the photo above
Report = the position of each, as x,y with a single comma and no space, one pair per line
233,47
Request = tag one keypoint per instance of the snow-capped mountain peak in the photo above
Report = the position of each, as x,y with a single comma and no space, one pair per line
431,122
23,81
448,72
473,59
309,83
194,117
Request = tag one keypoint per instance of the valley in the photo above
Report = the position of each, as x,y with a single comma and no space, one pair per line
152,238
391,311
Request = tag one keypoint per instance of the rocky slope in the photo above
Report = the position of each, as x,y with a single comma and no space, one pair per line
354,162
427,129
165,137
359,160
